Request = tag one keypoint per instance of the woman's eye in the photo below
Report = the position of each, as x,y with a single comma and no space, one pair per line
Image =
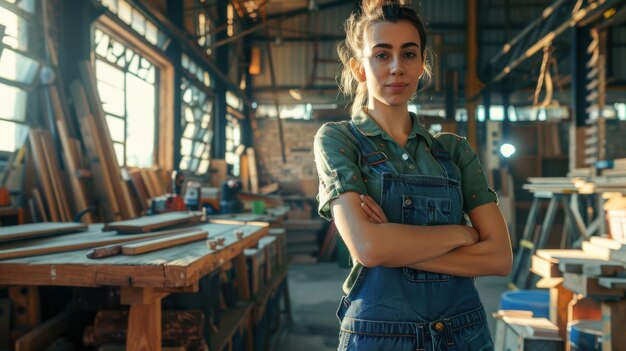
410,54
381,56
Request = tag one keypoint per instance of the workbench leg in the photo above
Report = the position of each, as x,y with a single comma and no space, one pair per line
144,318
613,321
144,327
241,277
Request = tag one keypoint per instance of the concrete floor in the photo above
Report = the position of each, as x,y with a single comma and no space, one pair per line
315,290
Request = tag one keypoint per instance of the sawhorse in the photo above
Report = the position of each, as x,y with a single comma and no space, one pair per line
574,231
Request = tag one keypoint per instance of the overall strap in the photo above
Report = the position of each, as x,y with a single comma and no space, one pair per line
375,159
443,157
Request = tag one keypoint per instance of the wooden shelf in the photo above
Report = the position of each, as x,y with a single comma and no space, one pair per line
229,323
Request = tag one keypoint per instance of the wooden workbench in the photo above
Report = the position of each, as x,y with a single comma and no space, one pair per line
144,280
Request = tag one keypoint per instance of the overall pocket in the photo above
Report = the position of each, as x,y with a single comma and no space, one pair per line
423,210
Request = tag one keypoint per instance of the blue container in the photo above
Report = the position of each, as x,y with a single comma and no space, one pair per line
585,335
537,301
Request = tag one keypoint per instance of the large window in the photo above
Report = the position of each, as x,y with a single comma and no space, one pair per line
18,70
128,87
197,121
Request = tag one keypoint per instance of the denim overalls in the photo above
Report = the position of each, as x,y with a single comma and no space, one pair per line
406,309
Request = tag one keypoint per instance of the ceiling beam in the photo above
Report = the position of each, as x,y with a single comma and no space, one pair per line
273,18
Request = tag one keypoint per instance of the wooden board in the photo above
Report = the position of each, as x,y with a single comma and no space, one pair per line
151,223
105,141
44,180
163,242
115,249
73,166
253,171
37,230
102,183
66,243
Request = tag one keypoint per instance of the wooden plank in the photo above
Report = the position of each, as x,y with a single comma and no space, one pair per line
55,175
75,242
163,242
36,196
44,334
105,140
151,223
115,249
71,161
38,230
44,181
253,171
145,176
102,183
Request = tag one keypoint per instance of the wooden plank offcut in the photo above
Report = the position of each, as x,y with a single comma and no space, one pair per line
38,230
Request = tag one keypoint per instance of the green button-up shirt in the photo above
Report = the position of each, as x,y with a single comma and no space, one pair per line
337,158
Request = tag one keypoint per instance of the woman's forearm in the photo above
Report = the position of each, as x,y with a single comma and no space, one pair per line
480,259
390,244
490,256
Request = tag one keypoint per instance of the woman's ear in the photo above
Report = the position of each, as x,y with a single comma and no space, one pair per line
357,70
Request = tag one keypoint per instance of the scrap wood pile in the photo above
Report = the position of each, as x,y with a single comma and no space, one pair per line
70,166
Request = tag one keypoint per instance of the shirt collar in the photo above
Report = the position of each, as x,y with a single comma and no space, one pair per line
368,127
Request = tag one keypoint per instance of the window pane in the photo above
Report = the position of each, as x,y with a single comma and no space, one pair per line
151,33
198,150
12,135
203,167
15,33
17,67
119,153
111,4
190,131
140,122
112,98
139,22
116,127
184,163
109,74
124,11
185,146
13,104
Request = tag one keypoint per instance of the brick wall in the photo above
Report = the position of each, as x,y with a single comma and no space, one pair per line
298,136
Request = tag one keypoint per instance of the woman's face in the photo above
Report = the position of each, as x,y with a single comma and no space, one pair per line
392,62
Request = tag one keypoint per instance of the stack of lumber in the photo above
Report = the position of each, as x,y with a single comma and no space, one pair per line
112,191
54,203
551,184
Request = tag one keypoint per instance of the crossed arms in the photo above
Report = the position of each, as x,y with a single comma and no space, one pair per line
483,249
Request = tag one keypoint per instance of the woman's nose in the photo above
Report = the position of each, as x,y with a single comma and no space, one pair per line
396,67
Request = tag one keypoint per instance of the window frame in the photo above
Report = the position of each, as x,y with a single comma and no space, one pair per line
164,123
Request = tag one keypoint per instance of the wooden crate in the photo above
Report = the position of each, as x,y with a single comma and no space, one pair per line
256,260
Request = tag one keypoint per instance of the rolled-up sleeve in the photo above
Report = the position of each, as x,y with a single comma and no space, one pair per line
474,184
476,190
337,162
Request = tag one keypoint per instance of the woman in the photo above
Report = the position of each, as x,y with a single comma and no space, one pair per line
398,196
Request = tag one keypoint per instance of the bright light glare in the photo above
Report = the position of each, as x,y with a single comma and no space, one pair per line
507,150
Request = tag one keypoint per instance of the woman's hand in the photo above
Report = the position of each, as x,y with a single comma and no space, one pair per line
374,213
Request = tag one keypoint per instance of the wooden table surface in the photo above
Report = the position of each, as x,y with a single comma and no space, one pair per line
143,279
